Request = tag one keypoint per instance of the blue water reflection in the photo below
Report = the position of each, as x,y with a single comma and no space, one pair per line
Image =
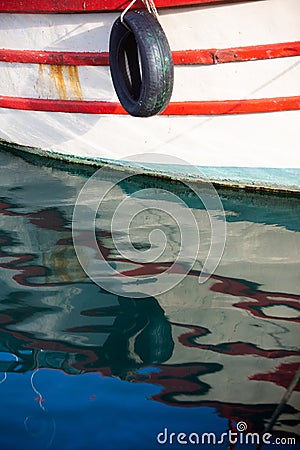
81,368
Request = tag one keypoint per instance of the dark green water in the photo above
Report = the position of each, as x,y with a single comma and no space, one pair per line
84,368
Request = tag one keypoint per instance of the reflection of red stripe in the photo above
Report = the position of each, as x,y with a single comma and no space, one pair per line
54,6
181,57
217,107
282,375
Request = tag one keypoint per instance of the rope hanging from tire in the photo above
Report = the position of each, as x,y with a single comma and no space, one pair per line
149,4
141,63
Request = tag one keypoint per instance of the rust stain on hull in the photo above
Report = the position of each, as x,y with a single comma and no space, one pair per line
57,79
74,81
63,80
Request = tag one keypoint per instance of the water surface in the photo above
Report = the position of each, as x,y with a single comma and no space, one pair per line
82,368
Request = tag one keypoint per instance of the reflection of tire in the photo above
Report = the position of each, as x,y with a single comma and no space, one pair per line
140,336
141,64
155,344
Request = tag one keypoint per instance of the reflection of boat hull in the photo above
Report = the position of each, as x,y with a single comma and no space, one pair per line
235,102
229,344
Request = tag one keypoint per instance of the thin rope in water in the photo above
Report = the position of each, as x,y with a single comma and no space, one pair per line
40,401
281,405
40,397
4,378
5,374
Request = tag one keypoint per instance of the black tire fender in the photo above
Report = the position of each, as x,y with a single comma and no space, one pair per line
141,64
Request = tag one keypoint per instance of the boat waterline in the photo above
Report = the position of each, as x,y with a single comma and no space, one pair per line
250,178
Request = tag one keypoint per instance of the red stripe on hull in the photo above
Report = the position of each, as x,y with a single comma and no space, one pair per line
220,107
53,57
257,52
71,6
182,57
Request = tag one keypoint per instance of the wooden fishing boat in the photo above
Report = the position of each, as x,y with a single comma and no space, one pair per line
233,111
